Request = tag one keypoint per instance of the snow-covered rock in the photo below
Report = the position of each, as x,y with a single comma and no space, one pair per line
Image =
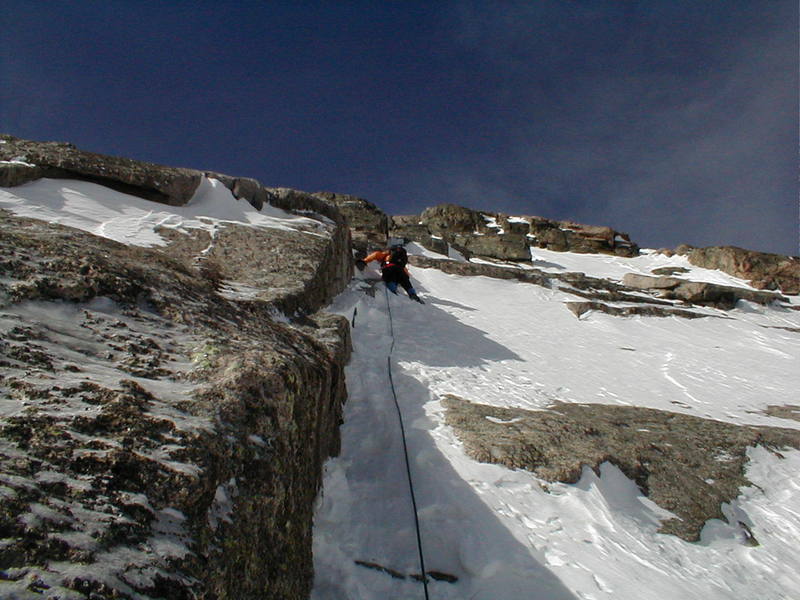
169,391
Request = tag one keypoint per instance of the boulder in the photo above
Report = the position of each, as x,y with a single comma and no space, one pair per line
645,282
244,188
409,228
507,246
764,270
450,219
550,237
518,225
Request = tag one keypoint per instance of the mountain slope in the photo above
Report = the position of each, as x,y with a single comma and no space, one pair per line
607,430
508,533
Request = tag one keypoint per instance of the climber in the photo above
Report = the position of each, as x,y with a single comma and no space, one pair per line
393,268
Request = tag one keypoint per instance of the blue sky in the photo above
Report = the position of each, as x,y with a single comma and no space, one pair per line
676,121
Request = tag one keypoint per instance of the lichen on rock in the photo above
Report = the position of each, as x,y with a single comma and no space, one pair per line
134,390
687,465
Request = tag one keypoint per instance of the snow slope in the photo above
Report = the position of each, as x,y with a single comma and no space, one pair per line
505,534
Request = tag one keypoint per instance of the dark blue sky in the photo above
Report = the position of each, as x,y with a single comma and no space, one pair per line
676,121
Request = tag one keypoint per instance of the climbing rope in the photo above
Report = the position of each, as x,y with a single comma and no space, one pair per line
424,576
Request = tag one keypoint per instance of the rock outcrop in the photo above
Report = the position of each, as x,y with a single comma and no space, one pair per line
687,465
504,237
165,412
581,308
699,292
764,270
369,225
25,160
410,228
597,291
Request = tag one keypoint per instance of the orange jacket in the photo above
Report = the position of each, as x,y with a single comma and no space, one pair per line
383,257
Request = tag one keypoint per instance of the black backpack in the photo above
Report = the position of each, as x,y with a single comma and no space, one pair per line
399,257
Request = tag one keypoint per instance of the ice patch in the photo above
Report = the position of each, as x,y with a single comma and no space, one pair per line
222,507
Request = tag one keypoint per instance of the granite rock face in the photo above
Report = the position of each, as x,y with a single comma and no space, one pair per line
369,225
687,465
165,412
410,228
764,270
294,271
158,439
445,219
504,237
169,185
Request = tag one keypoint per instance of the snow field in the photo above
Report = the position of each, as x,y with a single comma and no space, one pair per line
507,534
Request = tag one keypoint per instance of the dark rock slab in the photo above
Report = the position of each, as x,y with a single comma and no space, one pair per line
764,270
580,308
685,464
669,271
472,269
169,185
244,188
13,173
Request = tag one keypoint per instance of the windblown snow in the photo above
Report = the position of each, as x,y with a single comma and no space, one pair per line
507,534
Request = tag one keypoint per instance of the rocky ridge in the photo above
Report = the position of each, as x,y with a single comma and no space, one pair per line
765,271
505,237
659,292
